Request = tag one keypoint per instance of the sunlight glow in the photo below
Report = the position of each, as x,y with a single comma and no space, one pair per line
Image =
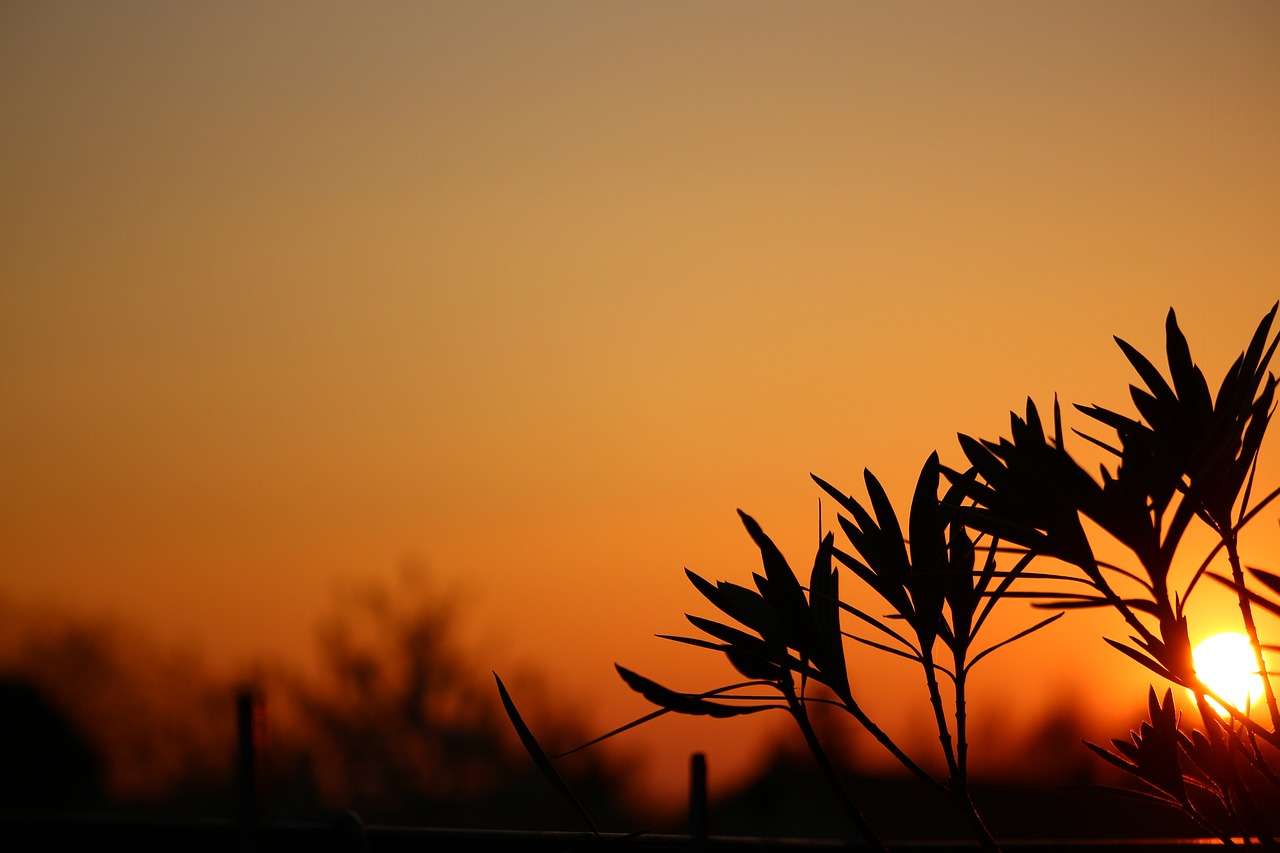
1225,662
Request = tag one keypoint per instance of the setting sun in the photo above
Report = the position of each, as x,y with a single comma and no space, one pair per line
1225,663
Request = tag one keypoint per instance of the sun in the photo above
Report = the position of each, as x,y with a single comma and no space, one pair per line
1226,664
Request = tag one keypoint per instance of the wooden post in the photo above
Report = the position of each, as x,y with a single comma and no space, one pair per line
698,829
249,713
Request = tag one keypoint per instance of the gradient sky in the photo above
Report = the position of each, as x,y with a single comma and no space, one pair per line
538,294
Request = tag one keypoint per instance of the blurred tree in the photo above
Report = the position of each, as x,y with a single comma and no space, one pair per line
45,762
160,724
401,724
404,725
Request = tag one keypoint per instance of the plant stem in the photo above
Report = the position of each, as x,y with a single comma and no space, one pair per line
962,719
855,814
970,812
905,760
960,785
1251,628
957,795
940,718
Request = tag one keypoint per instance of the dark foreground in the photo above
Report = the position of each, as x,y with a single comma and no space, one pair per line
345,832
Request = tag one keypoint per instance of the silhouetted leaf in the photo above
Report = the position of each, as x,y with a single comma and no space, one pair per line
1129,793
913,655
730,635
1150,375
539,757
847,501
1002,587
886,520
1152,753
639,721
884,565
1253,597
889,588
878,625
1270,580
930,576
994,524
663,711
1072,601
788,598
746,606
1018,636
1187,378
693,641
824,607
748,662
682,703
1148,662
752,656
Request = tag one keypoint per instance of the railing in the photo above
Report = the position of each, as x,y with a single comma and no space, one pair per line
344,833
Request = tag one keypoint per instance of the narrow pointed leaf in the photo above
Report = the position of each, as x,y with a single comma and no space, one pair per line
1254,598
539,756
1187,378
653,716
1018,636
681,703
745,606
887,520
761,659
911,656
1148,662
1150,375
1268,579
788,598
824,609
693,641
878,625
619,730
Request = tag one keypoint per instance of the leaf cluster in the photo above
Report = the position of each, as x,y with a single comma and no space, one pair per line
1183,444
967,542
929,579
780,633
1186,456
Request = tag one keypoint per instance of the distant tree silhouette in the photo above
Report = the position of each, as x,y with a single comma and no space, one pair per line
400,725
45,762
403,724
160,723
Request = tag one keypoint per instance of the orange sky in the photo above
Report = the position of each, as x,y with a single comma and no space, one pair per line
539,293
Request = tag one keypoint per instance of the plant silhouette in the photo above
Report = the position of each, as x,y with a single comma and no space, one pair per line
1186,457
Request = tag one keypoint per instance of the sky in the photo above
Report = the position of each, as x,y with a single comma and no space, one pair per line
536,295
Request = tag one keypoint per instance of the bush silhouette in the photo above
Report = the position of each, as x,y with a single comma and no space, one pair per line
45,762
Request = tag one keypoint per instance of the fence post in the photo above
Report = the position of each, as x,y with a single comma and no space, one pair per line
698,819
250,712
